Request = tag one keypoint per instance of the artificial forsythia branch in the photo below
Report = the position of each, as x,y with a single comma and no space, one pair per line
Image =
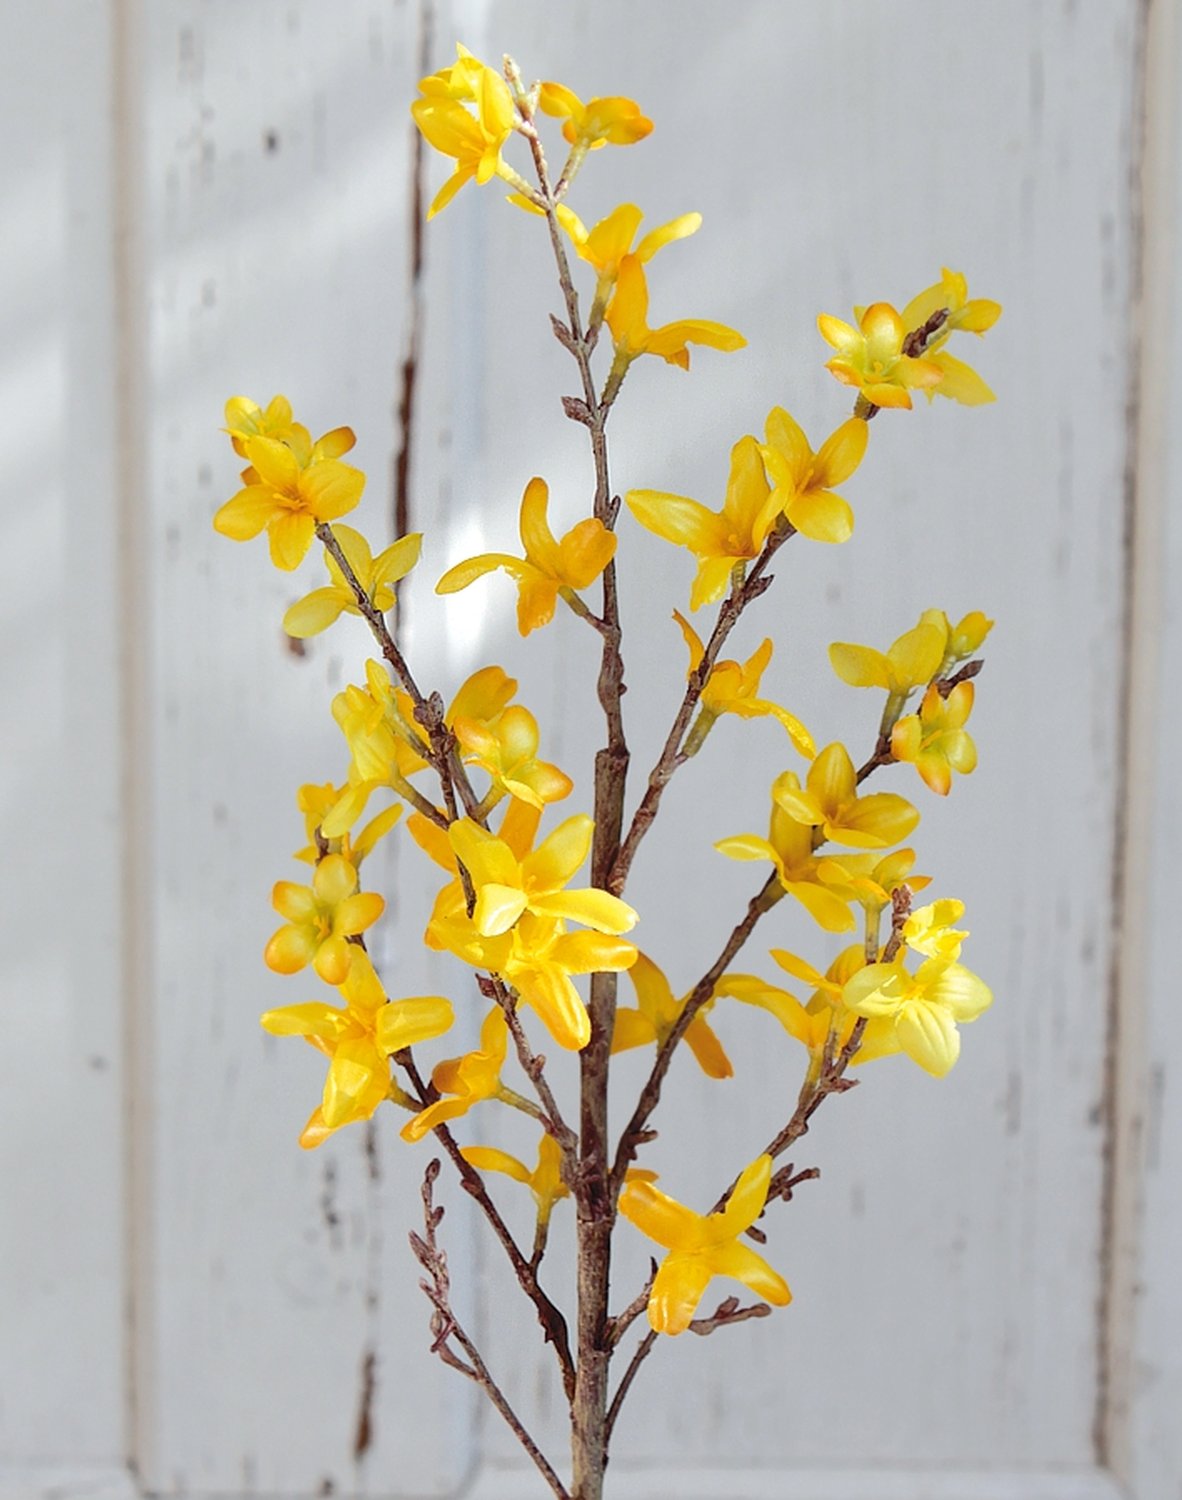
508,910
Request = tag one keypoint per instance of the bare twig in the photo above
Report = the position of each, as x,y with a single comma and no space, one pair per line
550,1317
445,1328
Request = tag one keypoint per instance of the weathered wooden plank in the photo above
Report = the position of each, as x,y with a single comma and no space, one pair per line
60,920
1145,1304
283,1327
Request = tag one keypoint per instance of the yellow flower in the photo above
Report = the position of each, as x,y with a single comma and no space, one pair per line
627,317
656,1016
958,381
935,740
473,139
537,957
544,1182
731,688
871,357
804,480
721,540
830,801
507,748
549,567
929,930
467,1080
507,886
246,419
823,1020
922,1009
287,499
871,879
912,661
541,958
319,609
605,246
599,122
382,734
316,802
358,1041
321,918
789,846
703,1246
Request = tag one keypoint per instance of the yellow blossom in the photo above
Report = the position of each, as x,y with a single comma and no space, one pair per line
871,357
872,879
929,930
246,419
721,540
316,803
703,1246
377,576
958,381
656,1016
507,886
465,1080
474,140
320,920
627,317
384,738
830,801
732,688
537,957
921,1009
288,499
789,846
549,568
804,480
507,748
358,1040
599,122
822,1021
605,246
935,739
912,661
544,1182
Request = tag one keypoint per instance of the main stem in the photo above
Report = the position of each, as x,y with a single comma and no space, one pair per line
594,1200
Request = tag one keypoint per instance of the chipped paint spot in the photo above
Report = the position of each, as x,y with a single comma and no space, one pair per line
364,1432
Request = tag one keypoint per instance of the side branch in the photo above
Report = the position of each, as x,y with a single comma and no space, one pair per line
671,756
549,1316
650,1095
445,1328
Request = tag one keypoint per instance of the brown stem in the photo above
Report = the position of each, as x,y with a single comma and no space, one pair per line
594,1200
671,756
445,1327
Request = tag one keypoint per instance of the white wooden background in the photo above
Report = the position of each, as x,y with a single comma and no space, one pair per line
204,197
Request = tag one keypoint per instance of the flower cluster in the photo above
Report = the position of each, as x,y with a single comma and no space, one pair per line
465,772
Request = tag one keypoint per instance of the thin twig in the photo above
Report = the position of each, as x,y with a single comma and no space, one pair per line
445,1327
671,756
550,1316
533,1064
768,894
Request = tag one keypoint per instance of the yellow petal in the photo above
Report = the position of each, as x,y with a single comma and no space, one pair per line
418,1018
841,453
680,1282
247,513
860,666
741,1263
290,535
314,612
928,1034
